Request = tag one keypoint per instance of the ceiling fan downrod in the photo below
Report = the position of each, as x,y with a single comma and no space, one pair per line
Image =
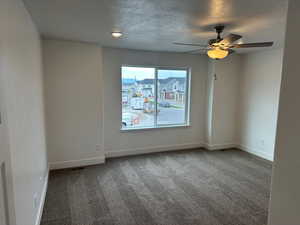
219,29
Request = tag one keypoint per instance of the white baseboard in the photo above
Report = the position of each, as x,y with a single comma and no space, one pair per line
256,152
42,199
219,146
76,163
138,151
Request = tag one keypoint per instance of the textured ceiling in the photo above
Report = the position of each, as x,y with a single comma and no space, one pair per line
155,24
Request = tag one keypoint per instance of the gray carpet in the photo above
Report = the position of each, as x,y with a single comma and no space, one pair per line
176,188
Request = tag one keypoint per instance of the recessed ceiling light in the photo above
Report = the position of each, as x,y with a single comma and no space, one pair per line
116,34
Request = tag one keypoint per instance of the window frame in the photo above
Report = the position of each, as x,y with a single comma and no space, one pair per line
187,107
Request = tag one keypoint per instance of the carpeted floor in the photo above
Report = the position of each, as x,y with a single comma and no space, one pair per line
176,188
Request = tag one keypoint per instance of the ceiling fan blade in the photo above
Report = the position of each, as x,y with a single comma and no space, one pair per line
229,39
253,45
189,44
197,50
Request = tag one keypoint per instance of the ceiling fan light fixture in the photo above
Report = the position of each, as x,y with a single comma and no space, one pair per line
217,53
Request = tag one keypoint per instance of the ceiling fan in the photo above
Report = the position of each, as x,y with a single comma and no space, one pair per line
220,47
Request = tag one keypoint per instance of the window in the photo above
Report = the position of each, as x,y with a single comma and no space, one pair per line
154,97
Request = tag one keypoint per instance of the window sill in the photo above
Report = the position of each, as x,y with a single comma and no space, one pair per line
154,128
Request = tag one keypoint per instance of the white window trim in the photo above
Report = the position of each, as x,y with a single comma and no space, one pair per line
187,122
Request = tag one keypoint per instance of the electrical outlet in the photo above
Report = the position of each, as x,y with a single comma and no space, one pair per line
98,148
260,143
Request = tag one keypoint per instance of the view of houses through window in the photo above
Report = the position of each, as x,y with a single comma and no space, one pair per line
153,97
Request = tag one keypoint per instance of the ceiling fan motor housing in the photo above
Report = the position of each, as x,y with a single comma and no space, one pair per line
213,41
219,29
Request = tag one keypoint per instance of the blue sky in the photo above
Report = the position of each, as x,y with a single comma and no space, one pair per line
141,73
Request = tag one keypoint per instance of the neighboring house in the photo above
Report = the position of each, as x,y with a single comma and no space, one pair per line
147,92
168,89
145,87
171,84
128,89
172,89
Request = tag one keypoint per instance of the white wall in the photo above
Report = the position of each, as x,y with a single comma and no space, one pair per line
7,211
80,78
77,119
242,102
208,129
259,96
21,74
73,85
285,197
225,83
117,142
